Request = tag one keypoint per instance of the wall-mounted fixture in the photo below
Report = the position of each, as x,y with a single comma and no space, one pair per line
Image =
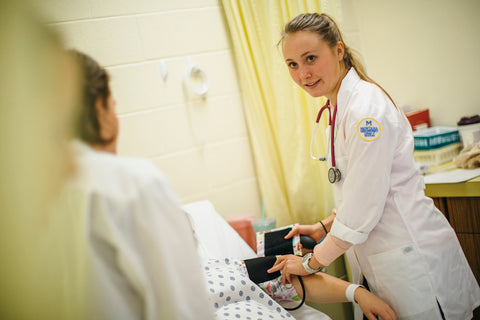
195,79
163,70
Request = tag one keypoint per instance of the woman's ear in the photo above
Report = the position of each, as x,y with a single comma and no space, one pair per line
101,112
108,123
340,50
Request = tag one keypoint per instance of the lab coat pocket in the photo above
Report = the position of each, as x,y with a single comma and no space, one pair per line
401,280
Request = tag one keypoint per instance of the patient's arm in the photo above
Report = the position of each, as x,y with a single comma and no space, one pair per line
324,288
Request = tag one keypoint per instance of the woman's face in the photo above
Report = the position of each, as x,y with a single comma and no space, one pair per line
313,65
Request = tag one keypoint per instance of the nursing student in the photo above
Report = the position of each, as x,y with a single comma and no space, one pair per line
143,256
394,237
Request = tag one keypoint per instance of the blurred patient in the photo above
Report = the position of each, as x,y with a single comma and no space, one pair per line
143,252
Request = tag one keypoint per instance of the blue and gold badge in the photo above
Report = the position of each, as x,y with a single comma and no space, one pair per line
369,129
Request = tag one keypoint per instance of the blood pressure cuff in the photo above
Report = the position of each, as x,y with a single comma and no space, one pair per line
271,283
270,244
273,242
257,269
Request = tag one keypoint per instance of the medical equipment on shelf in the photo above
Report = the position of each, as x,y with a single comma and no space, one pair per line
435,137
334,173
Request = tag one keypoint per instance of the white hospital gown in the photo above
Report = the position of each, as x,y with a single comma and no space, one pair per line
235,296
142,250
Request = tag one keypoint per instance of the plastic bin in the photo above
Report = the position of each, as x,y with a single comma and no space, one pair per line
419,119
437,156
435,137
243,226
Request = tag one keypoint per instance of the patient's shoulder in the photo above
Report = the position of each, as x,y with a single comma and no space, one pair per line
137,168
120,175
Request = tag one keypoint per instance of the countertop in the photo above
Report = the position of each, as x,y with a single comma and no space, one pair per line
470,188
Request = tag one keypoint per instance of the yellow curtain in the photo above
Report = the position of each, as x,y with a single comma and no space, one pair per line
279,115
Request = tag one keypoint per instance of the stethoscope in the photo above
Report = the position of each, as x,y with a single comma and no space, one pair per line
334,174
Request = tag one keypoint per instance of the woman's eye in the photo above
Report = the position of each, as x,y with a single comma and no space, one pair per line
311,58
292,65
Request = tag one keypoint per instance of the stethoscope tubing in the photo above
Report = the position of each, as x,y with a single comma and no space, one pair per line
331,122
326,106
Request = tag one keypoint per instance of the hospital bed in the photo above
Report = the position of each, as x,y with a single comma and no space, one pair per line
218,240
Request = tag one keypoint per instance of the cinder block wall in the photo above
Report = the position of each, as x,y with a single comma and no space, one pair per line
201,144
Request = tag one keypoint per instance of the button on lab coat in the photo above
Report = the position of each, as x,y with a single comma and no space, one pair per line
142,250
403,245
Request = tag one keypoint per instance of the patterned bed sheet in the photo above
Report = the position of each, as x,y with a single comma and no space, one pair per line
232,294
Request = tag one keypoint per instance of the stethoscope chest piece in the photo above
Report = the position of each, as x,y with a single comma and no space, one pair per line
334,175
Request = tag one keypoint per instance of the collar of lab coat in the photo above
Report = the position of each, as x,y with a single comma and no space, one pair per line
79,148
347,86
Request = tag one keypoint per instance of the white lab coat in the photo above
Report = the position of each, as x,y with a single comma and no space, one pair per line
403,245
142,249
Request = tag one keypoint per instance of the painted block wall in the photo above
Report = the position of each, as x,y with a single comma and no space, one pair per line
201,144
424,53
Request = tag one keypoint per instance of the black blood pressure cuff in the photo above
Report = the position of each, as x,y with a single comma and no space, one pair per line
257,272
276,244
270,244
257,269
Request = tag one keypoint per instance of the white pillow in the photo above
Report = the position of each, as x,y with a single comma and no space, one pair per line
216,236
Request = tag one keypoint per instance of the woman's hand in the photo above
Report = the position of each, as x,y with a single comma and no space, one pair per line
315,231
289,265
372,306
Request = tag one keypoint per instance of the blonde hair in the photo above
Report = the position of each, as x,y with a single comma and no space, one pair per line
326,28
